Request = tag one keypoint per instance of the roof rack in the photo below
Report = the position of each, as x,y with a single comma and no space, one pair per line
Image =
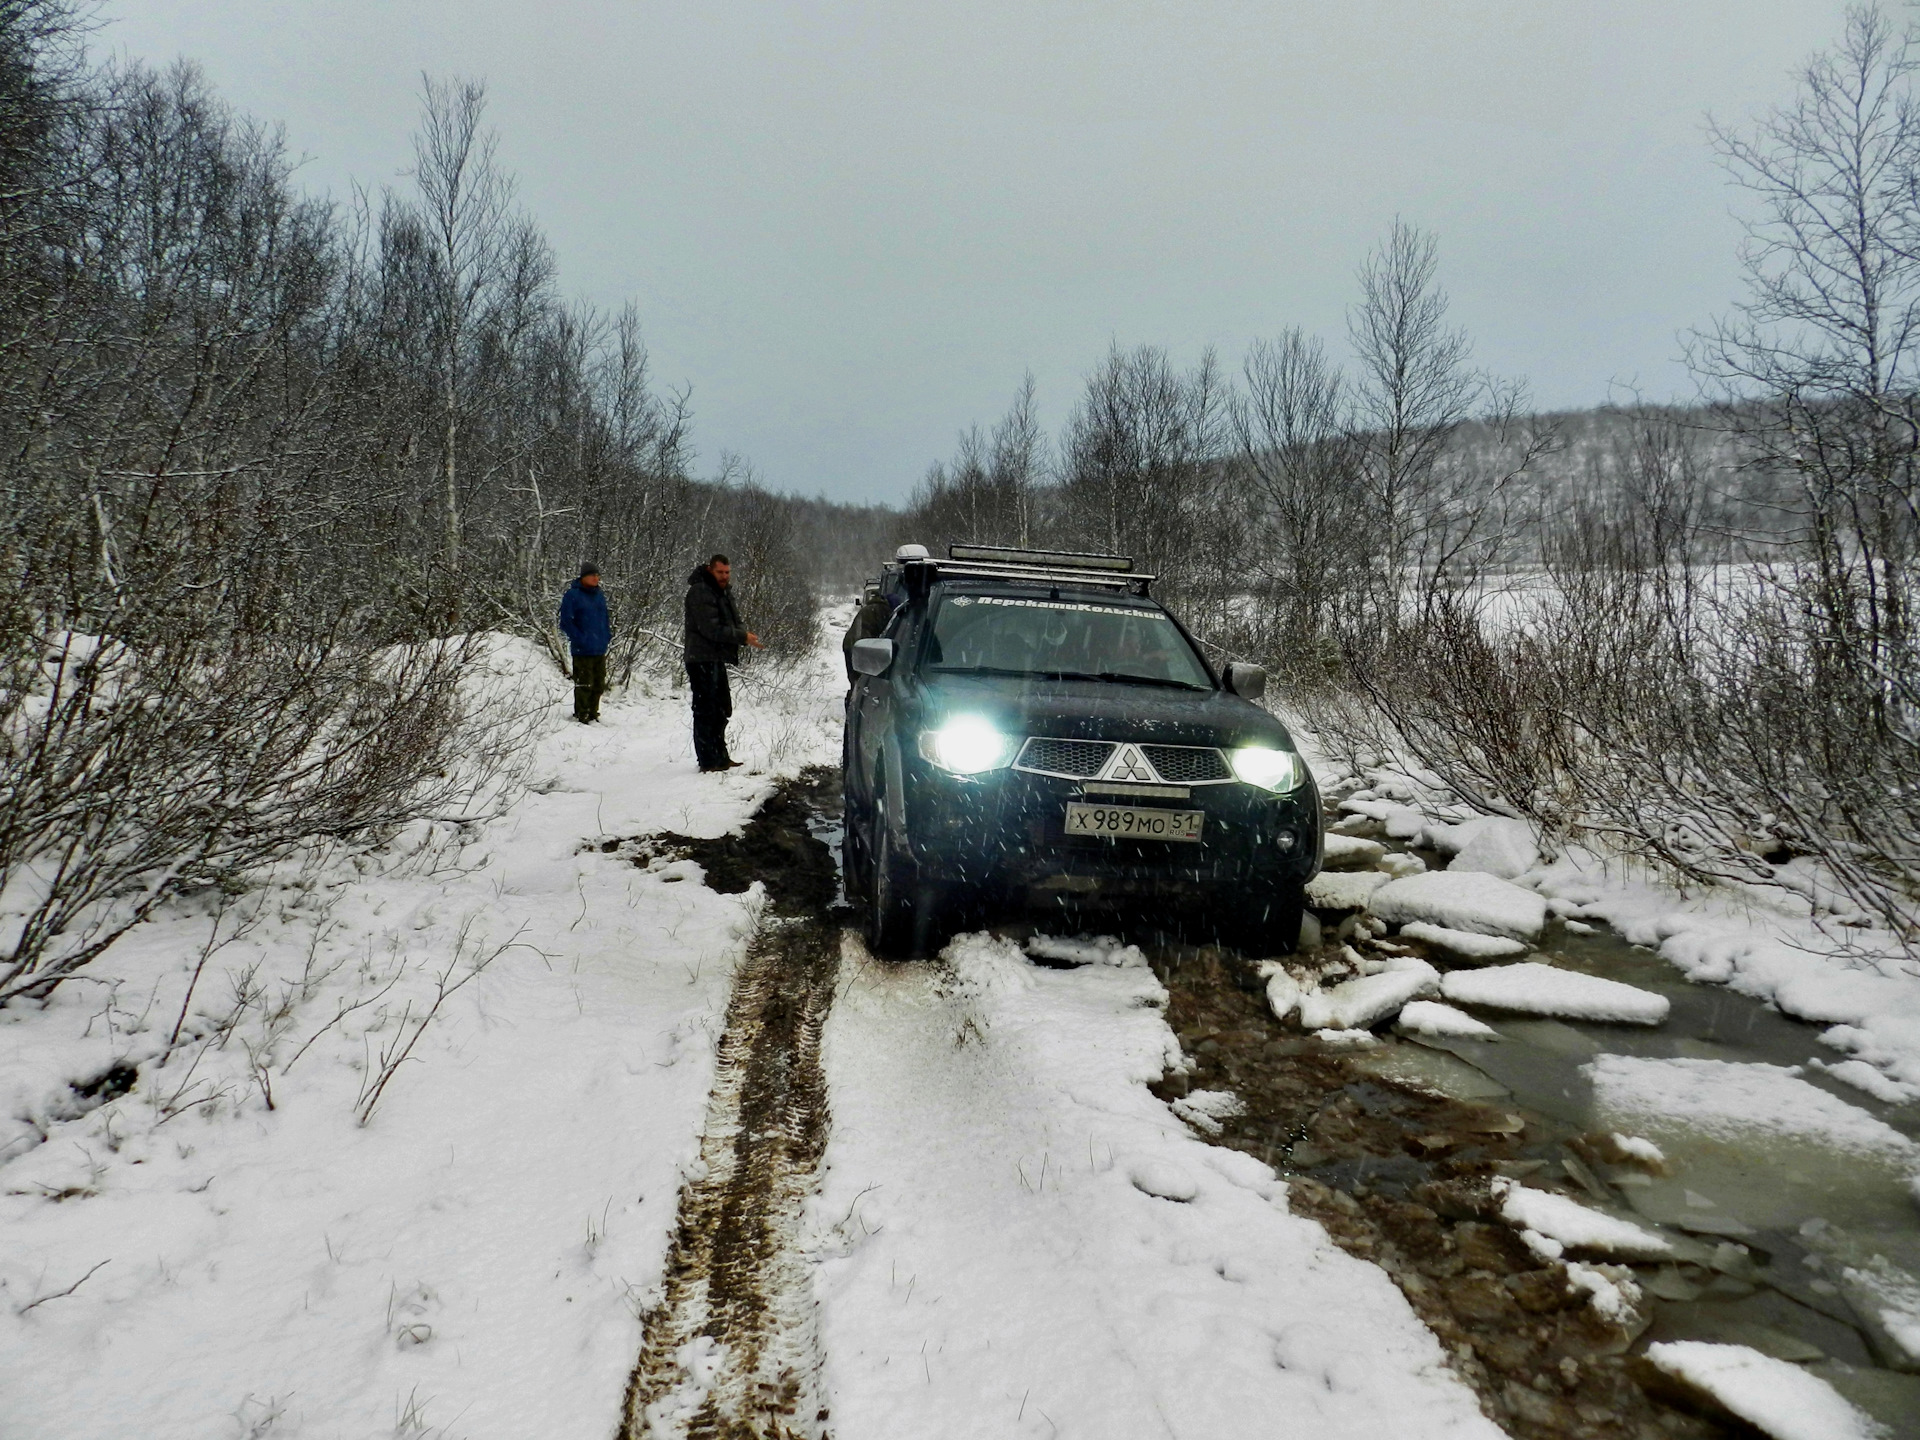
1034,567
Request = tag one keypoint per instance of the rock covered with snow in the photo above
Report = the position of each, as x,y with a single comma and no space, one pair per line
1100,950
1552,1225
1611,1291
1350,852
1464,944
1162,1179
1483,904
1531,988
1343,889
1206,1109
1443,1022
1777,1398
1347,1039
1501,847
1361,1003
1283,991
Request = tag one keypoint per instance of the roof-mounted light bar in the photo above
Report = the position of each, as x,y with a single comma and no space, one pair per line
1041,559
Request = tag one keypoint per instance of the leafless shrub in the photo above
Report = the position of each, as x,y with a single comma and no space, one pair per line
471,957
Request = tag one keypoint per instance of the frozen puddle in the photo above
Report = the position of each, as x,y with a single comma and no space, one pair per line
1795,1191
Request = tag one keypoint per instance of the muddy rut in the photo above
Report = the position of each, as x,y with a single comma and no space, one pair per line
731,1350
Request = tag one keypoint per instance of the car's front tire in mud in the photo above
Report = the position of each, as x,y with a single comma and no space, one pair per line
856,873
903,911
1263,931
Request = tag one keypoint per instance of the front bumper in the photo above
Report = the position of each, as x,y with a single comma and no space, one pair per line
1005,831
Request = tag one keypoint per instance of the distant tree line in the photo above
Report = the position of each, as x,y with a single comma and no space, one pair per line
1687,633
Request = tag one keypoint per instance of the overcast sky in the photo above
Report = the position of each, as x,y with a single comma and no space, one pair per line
851,227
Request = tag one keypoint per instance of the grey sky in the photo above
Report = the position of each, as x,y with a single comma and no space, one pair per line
852,226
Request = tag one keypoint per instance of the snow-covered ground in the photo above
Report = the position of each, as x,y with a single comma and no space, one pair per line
1017,1238
472,1261
1012,1235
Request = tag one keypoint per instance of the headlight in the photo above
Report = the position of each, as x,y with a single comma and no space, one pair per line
1270,769
966,746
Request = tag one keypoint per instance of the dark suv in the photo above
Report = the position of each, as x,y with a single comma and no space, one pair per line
1032,731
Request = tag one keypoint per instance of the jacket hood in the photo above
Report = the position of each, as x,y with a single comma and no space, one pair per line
700,572
583,589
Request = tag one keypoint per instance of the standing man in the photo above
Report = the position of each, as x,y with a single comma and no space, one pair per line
589,630
714,635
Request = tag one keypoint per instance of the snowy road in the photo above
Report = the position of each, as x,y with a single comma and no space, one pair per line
1017,1238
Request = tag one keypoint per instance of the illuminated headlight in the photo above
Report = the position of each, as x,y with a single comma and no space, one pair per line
966,746
1270,769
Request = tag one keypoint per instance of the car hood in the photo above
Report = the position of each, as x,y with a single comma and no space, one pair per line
1100,710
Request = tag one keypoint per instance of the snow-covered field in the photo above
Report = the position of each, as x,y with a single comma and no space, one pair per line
472,1260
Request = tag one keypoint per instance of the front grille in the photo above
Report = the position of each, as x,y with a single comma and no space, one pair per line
1187,764
1079,759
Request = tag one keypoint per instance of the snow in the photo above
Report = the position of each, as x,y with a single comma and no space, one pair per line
1862,1076
1015,1238
1464,943
1347,1039
1552,1224
1205,1109
1443,1022
1535,989
1283,992
1101,950
1401,822
1364,1002
1634,1147
1612,1291
1350,852
1505,848
1343,889
1729,1100
1484,904
474,1255
1774,1396
1163,1180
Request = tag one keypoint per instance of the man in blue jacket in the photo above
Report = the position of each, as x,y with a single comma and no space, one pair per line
589,630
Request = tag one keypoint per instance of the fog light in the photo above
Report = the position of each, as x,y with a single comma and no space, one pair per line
1285,841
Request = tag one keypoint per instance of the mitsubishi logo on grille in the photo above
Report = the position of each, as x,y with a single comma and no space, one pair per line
1129,764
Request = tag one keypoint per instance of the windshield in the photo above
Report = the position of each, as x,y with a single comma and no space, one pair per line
1070,639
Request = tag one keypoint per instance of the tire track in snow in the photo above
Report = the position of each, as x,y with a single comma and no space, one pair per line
732,1349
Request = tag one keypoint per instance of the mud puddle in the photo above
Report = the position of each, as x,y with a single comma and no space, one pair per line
731,1351
1395,1149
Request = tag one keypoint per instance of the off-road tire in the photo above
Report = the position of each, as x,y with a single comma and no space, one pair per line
892,889
1262,931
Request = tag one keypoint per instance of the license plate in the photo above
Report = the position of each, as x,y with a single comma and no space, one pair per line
1133,822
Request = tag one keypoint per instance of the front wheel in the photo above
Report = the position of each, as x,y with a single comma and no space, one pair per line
890,909
1262,930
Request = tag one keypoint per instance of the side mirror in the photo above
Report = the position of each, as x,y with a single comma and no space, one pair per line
1249,682
872,657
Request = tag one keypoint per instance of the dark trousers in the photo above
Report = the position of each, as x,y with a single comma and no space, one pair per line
589,684
712,704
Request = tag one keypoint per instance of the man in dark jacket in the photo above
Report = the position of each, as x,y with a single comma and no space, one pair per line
714,635
589,630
